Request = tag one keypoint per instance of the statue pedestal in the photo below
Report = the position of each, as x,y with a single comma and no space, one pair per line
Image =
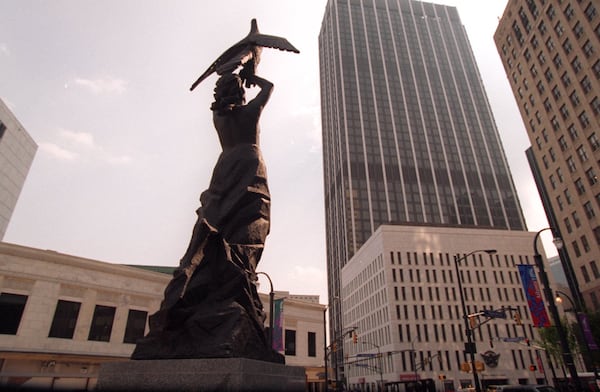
216,374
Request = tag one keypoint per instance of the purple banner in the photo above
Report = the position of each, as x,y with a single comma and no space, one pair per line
278,325
584,322
534,296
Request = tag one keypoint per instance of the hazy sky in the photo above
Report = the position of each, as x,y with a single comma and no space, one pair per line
125,149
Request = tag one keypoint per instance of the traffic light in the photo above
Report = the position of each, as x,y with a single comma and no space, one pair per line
479,366
442,376
533,368
354,337
473,321
517,318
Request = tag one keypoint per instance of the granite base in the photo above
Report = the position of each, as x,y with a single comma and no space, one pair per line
217,374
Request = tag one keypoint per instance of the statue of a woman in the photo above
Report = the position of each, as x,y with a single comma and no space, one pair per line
237,201
211,307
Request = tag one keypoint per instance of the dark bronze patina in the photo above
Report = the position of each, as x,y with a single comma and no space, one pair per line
211,308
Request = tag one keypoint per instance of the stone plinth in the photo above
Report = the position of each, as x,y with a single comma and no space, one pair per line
218,374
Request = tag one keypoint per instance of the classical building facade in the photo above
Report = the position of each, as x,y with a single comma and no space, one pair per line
17,150
551,53
408,134
63,316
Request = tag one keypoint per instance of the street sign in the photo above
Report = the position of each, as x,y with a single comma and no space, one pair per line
494,313
513,340
409,377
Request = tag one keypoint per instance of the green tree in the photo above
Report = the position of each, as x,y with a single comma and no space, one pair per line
550,342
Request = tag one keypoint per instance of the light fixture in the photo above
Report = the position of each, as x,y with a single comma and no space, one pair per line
558,242
558,299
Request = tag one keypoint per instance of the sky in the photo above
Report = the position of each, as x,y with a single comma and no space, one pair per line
125,149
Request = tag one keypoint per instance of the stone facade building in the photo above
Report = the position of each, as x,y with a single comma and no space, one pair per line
63,316
551,54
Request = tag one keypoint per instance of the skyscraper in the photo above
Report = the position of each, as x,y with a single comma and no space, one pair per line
17,150
408,134
551,54
415,177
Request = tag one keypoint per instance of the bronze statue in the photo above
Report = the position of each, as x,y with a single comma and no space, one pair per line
211,308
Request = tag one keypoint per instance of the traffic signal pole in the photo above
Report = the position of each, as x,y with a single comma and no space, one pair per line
470,346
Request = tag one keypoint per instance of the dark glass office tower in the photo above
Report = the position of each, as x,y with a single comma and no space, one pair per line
408,134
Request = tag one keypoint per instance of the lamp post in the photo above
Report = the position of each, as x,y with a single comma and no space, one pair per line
559,300
325,344
470,344
380,363
580,318
271,308
413,359
562,336
337,341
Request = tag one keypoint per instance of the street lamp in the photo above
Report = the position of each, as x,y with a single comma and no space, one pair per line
271,308
562,336
413,359
470,344
325,344
559,301
581,319
380,362
337,342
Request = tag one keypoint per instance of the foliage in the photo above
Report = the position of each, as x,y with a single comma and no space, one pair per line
594,321
551,343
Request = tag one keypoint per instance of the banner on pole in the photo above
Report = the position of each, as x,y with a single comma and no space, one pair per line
584,322
278,325
533,294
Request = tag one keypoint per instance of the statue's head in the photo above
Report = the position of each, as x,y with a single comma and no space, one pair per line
229,93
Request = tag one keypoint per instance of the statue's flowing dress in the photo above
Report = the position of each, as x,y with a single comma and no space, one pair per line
211,307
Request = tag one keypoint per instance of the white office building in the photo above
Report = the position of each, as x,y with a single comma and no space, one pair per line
401,295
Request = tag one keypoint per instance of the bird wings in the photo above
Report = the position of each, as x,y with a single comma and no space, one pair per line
247,49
